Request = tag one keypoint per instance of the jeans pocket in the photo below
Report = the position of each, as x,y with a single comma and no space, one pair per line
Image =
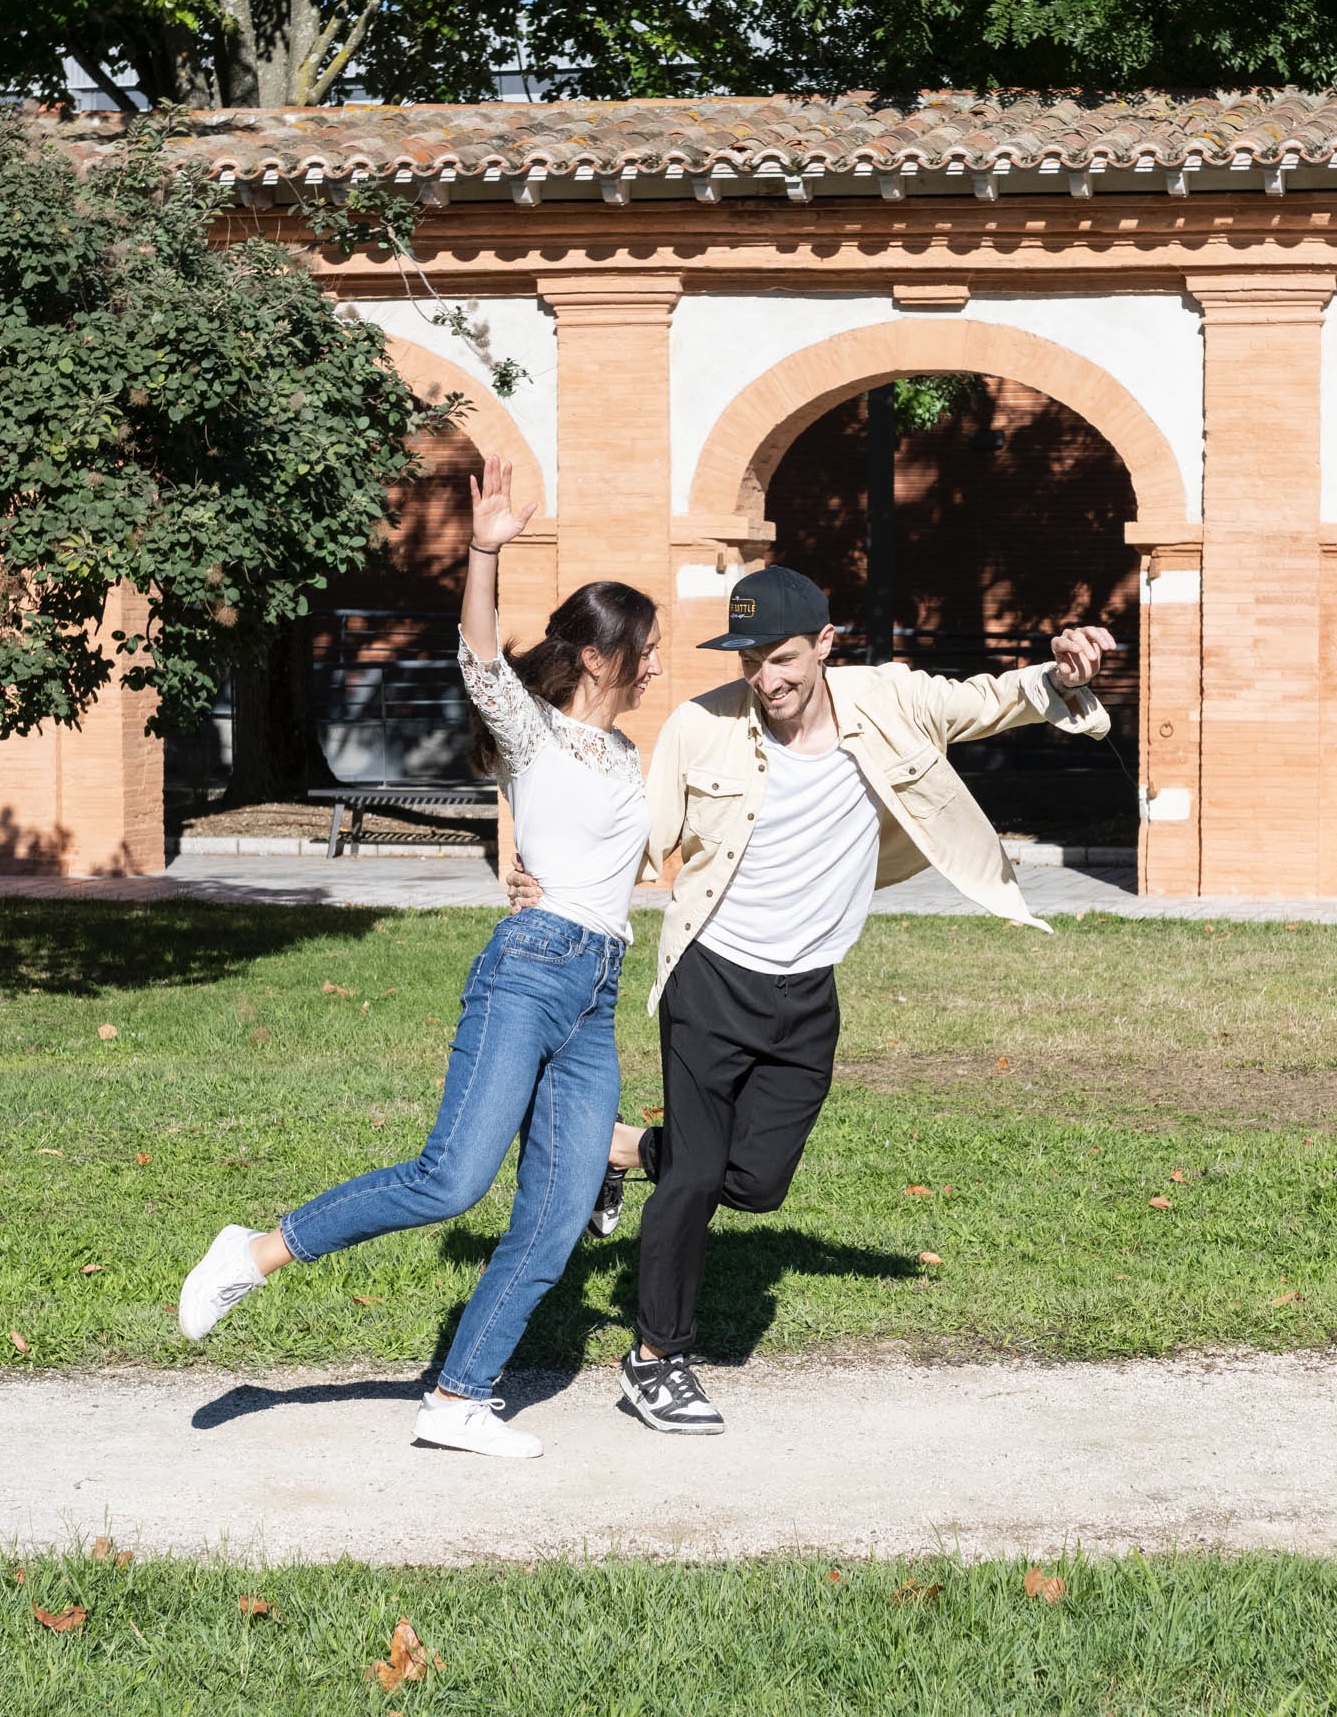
549,947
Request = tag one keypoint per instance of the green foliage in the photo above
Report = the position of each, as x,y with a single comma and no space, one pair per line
195,420
922,401
427,50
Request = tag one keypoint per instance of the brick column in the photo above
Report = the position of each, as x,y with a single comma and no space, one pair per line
613,508
1170,715
87,801
1261,771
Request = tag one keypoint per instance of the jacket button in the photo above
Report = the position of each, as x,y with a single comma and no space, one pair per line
714,786
728,855
687,927
910,770
752,816
761,769
710,894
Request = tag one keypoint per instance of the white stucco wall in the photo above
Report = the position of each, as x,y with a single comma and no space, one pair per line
1149,342
518,328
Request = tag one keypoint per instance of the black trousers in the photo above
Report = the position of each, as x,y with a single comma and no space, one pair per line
747,1061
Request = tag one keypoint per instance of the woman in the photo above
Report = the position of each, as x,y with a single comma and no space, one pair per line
534,1050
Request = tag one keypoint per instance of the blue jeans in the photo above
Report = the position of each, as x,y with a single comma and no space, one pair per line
534,1053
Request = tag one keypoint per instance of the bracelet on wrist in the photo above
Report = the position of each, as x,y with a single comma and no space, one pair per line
477,548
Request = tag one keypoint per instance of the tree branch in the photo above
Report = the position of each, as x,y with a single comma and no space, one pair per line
338,64
109,87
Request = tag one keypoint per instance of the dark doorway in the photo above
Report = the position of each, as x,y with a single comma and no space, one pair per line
960,549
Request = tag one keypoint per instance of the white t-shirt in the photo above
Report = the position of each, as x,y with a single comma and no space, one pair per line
576,793
803,886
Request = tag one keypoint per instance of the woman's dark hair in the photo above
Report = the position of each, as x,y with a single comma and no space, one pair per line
609,617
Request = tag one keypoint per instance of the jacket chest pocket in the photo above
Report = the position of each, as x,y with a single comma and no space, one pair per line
713,802
923,782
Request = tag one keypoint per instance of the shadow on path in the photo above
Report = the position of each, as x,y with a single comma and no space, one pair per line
737,1307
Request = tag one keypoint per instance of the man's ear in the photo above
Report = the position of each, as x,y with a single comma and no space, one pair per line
825,639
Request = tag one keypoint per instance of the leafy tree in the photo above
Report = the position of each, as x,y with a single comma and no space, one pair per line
197,421
272,52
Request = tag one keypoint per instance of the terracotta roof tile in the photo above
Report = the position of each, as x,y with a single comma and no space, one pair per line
938,127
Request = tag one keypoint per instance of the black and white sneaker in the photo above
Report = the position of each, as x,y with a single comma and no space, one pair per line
668,1397
608,1206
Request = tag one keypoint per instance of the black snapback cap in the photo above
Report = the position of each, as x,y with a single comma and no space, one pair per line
775,603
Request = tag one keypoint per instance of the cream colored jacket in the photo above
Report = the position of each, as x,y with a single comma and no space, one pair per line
707,782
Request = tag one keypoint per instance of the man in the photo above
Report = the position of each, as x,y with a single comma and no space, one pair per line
792,793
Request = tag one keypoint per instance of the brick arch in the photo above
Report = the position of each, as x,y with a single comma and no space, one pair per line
488,425
754,431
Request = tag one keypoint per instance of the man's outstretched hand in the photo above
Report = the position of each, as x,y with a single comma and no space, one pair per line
521,887
1078,653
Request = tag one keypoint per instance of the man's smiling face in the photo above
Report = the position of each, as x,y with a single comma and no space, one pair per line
788,674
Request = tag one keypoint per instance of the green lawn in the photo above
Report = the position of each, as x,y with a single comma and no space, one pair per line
1191,1635
1054,1085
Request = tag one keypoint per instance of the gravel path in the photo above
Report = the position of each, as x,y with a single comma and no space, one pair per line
871,1457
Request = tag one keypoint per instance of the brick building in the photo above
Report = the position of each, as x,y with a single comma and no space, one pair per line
694,286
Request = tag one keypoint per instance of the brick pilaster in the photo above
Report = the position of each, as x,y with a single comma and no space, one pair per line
87,801
613,451
1262,691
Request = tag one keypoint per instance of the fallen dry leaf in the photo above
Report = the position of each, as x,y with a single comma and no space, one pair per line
65,1622
1286,1298
18,1341
432,1020
1002,1064
1041,1585
143,1159
261,1034
1094,1151
835,1576
365,1008
394,992
1178,1175
92,1269
911,1592
408,1658
101,1549
46,1151
440,1084
929,1258
124,1558
1159,1203
378,1120
368,1300
919,1192
20,1576
947,1191
650,1116
327,988
107,1032
250,1606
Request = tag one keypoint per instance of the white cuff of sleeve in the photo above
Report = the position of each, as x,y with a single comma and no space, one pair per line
1091,717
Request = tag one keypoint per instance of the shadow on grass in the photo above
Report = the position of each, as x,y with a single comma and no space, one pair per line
78,949
738,1301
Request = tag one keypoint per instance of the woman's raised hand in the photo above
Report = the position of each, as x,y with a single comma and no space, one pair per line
495,520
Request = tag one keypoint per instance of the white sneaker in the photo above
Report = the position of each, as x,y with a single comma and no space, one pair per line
472,1425
225,1274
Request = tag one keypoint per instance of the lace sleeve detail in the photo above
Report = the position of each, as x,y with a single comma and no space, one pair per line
511,714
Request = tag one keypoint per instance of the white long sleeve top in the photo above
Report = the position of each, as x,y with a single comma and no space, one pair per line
576,793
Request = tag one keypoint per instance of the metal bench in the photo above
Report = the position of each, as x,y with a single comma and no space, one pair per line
358,799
